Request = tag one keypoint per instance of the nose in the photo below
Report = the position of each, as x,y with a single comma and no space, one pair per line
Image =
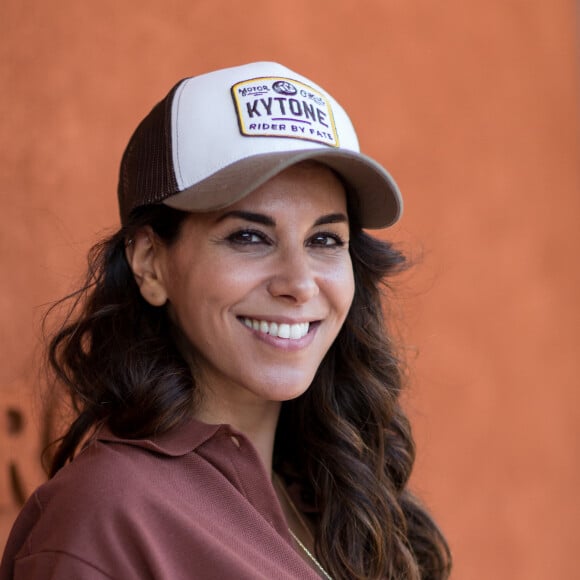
293,279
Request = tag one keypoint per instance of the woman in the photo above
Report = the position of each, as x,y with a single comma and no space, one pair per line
236,391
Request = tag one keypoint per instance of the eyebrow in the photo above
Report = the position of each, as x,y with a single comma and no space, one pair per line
258,218
331,218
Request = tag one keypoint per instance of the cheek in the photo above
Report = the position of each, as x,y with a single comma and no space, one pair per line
201,298
347,297
185,290
338,287
343,286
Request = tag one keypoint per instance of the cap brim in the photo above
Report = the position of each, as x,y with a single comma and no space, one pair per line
378,198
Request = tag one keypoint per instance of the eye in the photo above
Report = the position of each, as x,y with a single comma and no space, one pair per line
247,237
326,239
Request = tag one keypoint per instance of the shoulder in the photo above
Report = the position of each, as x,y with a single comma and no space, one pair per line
100,477
74,520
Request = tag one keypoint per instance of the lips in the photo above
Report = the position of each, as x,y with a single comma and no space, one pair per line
279,330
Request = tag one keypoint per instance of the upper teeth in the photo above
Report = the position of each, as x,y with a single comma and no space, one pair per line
292,331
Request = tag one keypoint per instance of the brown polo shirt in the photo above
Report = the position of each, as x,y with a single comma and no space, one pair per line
195,503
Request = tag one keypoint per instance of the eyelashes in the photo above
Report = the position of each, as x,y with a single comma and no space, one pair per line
247,237
327,239
252,237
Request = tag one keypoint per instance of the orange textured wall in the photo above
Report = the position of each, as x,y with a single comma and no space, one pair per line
472,105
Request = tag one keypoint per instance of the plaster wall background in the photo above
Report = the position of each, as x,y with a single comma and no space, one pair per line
473,106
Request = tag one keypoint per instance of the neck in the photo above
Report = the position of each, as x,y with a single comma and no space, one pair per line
257,421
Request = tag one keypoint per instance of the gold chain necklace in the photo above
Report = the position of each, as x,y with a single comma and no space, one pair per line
310,555
298,515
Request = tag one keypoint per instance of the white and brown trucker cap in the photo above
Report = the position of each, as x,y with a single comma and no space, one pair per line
217,137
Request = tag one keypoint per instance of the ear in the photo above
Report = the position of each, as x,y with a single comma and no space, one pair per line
144,254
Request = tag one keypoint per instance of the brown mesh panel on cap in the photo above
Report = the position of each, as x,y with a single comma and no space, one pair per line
146,174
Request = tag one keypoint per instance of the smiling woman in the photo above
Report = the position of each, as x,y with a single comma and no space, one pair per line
278,260
235,387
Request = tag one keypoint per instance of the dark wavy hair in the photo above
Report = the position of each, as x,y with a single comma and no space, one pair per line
346,438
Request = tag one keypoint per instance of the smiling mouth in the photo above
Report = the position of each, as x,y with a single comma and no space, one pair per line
282,330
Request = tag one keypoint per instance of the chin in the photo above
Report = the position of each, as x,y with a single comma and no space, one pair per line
278,389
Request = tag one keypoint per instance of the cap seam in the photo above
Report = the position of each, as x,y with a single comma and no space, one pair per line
175,152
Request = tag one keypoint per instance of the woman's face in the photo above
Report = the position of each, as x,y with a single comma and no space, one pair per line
261,289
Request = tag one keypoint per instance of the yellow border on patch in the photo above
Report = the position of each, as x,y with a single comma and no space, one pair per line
271,80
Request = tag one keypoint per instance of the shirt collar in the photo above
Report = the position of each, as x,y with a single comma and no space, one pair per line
178,441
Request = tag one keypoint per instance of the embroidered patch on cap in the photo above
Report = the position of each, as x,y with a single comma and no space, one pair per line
281,107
